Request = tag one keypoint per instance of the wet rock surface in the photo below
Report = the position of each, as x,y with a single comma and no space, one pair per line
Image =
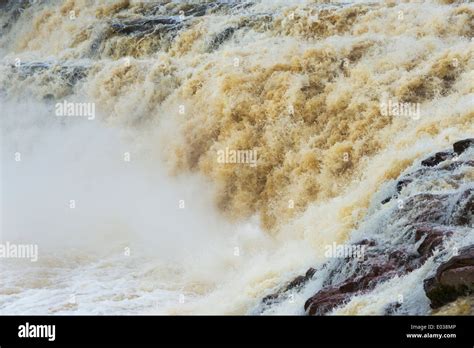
461,146
170,17
146,26
426,220
12,9
43,73
437,158
163,22
453,279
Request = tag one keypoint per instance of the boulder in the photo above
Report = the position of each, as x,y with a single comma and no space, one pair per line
432,236
437,158
463,214
426,218
220,38
453,279
460,146
146,26
301,280
374,270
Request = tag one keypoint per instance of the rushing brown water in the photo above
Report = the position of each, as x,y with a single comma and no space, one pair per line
274,123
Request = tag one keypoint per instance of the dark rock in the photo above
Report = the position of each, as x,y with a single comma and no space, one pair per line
69,73
368,242
455,208
301,280
370,272
422,173
392,308
64,75
325,301
403,260
173,17
463,213
375,268
432,235
192,8
453,279
199,9
220,38
460,146
298,282
426,218
437,159
425,207
146,26
457,164
373,271
270,299
12,10
402,183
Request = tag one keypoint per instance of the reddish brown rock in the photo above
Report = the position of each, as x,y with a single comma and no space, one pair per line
325,301
428,214
425,218
453,279
373,270
425,207
433,237
295,283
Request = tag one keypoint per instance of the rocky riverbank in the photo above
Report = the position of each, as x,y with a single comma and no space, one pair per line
428,219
